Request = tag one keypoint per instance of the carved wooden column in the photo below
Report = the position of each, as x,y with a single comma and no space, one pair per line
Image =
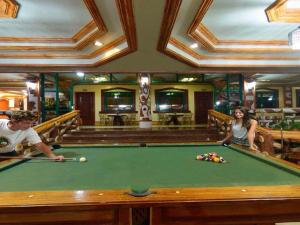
249,94
145,101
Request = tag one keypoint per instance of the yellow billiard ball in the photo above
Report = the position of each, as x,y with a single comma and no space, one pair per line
216,159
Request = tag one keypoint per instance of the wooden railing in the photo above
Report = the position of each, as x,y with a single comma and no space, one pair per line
51,131
58,120
268,140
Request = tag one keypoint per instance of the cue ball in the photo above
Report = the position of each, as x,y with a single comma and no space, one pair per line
82,159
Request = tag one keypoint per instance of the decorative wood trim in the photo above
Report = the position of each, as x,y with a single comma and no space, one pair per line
125,10
203,29
175,55
181,58
199,16
184,48
278,12
8,8
113,57
170,13
107,47
202,41
80,37
187,50
209,35
92,37
252,57
214,41
208,46
84,30
88,28
94,11
36,40
80,44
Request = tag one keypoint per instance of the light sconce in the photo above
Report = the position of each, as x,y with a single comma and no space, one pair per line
31,85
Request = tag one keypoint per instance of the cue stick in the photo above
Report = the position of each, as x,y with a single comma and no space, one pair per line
281,137
38,158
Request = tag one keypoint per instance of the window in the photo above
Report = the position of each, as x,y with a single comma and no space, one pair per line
267,98
171,100
118,100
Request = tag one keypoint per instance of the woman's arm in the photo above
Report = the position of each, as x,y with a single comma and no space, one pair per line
251,135
228,136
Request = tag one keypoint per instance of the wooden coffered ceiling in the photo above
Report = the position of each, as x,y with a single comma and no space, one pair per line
142,35
61,33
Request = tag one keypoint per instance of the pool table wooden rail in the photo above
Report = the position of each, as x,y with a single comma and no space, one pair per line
184,206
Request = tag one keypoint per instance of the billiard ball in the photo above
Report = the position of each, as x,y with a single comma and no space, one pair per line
216,159
82,159
199,157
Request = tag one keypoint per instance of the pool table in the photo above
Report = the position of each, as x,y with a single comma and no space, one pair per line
250,188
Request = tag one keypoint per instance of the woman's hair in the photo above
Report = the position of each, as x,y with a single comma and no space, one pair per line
246,118
17,116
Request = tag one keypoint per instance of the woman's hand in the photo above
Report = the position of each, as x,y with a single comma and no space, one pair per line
253,148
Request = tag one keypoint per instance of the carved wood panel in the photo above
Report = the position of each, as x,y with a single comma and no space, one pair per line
8,9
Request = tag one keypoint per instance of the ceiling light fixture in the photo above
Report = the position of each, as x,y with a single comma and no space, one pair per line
31,85
80,74
294,38
98,43
195,45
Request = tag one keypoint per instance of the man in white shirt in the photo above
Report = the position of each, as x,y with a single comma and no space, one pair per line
17,129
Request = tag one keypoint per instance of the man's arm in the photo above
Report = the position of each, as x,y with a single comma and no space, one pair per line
47,150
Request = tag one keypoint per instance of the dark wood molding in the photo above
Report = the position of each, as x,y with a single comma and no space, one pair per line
93,54
180,58
170,13
185,48
125,10
200,14
79,36
84,30
94,11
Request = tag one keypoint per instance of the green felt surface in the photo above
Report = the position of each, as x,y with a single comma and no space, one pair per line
145,167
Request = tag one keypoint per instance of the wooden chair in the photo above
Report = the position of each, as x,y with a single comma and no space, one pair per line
132,119
126,119
187,119
104,120
162,118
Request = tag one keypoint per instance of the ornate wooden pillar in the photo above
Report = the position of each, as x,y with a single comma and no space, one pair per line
249,94
145,101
